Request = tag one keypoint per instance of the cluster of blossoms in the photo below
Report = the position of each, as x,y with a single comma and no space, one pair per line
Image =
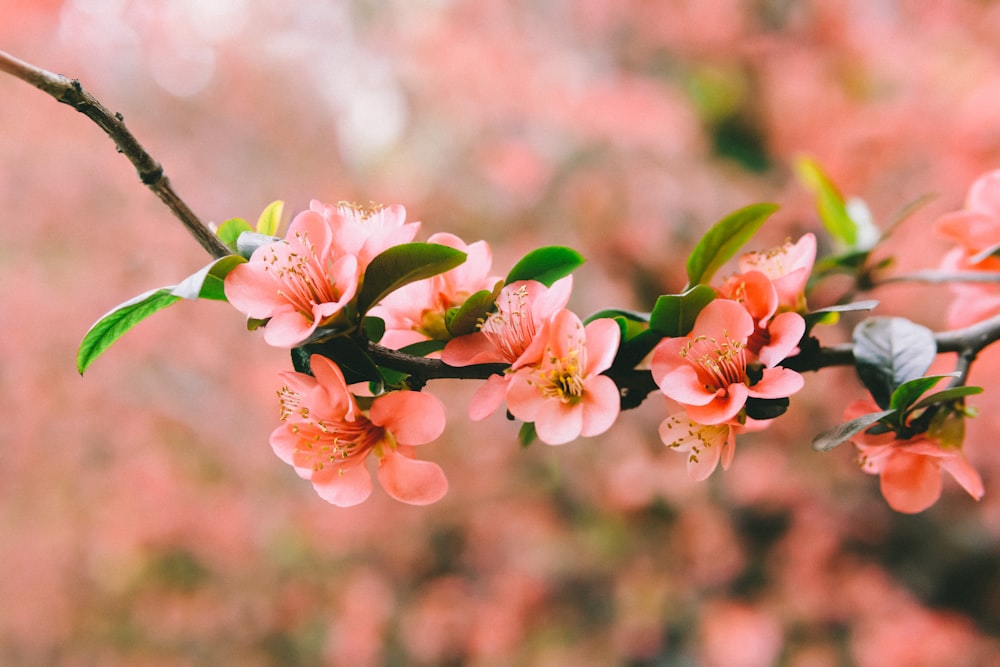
732,355
552,370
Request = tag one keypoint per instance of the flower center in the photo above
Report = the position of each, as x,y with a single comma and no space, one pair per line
511,328
322,442
724,362
561,378
304,282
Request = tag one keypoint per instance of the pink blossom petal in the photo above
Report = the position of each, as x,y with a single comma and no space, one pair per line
722,408
910,482
252,291
523,398
557,423
603,336
413,417
285,443
963,472
348,487
470,349
723,315
984,194
786,331
411,481
601,405
677,378
777,382
488,397
729,449
288,328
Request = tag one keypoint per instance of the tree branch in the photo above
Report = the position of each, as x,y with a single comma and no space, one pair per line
150,172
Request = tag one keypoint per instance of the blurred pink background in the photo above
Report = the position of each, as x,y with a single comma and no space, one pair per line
144,518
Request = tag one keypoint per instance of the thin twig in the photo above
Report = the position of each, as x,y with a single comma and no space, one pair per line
69,91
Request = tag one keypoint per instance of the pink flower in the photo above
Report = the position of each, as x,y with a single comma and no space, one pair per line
910,470
788,266
327,438
976,230
775,337
298,284
706,371
417,311
705,444
563,392
522,308
365,231
506,335
977,226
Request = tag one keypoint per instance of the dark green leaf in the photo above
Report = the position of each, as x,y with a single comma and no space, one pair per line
889,351
401,265
674,314
423,348
229,231
635,348
374,328
947,396
546,265
766,408
829,202
630,315
114,324
824,442
723,240
466,318
208,283
907,393
351,357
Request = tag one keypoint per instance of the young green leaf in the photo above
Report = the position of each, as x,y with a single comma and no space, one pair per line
673,315
546,265
229,231
889,351
826,441
401,265
723,240
114,324
829,202
270,218
467,317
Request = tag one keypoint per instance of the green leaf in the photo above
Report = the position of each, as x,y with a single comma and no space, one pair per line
673,315
823,315
229,231
373,328
723,240
947,396
907,393
826,441
889,351
350,356
423,348
114,324
546,265
208,283
401,265
270,219
829,202
527,434
466,318
608,313
766,408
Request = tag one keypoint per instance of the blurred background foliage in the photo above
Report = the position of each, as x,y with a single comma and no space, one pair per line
145,519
